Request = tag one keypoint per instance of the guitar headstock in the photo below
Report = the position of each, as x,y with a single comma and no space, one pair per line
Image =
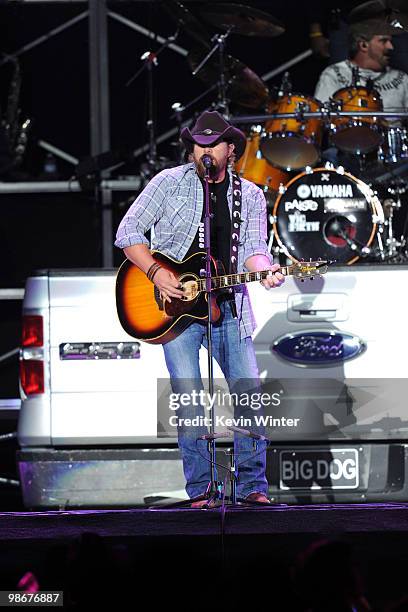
309,269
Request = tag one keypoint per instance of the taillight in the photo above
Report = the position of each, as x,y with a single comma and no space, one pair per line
32,330
31,360
32,376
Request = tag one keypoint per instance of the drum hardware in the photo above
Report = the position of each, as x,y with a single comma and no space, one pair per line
397,187
393,177
342,227
298,148
301,109
248,119
242,85
271,235
243,20
178,110
149,59
234,79
285,86
186,20
393,246
395,145
219,41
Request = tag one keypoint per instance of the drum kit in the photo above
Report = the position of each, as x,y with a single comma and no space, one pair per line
315,209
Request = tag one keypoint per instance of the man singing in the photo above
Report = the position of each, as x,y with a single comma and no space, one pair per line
172,203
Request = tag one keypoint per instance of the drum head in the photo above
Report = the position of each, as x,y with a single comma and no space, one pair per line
323,213
288,151
357,139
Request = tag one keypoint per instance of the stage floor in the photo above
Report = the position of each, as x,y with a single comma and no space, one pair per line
234,547
324,520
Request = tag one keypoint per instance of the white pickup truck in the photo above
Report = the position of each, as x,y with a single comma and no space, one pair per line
88,421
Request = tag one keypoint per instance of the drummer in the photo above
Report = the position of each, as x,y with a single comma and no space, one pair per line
369,52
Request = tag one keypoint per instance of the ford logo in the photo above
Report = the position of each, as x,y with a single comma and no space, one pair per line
318,348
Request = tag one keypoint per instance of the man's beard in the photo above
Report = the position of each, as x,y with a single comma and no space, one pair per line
386,59
215,168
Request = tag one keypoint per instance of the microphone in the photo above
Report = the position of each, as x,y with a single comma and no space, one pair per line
206,160
355,76
355,246
248,434
215,436
337,228
286,84
370,84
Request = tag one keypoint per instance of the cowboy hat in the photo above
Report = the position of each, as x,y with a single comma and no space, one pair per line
374,27
210,129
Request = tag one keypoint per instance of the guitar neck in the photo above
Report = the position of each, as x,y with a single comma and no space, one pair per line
231,280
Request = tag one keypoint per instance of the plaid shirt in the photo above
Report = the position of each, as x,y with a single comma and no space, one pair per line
172,203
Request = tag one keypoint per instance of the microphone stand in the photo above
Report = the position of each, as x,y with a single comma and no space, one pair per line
360,249
219,40
214,487
150,61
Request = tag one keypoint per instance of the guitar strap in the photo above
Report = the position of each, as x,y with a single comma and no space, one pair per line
235,230
235,221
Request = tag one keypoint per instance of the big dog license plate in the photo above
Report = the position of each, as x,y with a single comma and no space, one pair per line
331,468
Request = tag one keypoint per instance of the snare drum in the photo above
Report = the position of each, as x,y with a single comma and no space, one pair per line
323,213
292,144
357,134
255,168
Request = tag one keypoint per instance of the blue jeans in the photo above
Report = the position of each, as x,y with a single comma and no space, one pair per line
236,358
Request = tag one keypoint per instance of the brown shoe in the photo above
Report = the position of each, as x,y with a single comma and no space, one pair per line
203,504
258,498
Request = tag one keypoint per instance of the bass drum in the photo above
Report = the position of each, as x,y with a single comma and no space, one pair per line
326,213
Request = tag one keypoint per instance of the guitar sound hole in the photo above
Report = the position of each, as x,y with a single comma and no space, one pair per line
190,288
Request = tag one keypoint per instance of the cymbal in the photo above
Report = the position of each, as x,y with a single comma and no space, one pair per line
186,20
242,19
243,86
387,10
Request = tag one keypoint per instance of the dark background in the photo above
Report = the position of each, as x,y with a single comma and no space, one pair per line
63,230
55,74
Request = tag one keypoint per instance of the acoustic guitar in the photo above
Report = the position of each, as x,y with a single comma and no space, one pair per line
144,315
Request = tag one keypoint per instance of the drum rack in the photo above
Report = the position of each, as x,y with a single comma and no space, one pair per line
324,114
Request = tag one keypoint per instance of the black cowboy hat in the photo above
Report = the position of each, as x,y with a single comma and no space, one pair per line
210,129
374,27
